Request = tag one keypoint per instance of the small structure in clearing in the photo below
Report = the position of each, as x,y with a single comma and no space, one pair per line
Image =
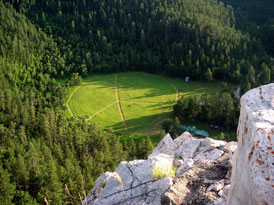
194,131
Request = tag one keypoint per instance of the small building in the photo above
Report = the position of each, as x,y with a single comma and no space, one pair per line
201,134
187,79
194,132
190,129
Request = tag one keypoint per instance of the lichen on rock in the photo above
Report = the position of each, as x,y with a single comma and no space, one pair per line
253,162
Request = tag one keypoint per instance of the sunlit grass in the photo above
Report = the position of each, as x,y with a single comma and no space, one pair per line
94,96
139,94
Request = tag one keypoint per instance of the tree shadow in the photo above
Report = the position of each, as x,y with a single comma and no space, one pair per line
135,124
132,83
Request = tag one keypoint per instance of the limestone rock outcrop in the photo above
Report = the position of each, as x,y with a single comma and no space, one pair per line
253,162
204,166
204,161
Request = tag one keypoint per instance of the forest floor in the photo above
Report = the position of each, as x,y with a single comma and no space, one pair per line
143,100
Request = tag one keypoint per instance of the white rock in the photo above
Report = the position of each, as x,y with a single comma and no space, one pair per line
232,150
220,202
216,186
177,163
179,141
205,144
220,193
160,159
188,149
156,190
99,183
138,185
217,143
165,146
226,190
210,156
210,188
253,170
188,164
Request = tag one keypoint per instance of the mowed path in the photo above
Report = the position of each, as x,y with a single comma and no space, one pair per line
92,116
118,101
68,105
173,86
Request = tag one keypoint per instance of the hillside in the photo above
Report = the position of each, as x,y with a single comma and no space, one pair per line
40,150
48,157
180,38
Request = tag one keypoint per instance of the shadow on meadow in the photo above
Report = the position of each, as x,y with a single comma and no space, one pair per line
149,86
136,124
142,87
135,83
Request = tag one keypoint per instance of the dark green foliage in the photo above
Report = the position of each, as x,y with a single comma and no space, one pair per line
7,189
180,38
144,148
75,79
220,109
41,151
172,126
256,17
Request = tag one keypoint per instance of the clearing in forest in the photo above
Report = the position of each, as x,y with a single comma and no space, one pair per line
130,102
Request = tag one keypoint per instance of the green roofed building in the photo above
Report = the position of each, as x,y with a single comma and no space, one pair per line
194,132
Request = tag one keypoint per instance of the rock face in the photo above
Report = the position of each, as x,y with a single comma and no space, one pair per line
253,162
199,163
203,166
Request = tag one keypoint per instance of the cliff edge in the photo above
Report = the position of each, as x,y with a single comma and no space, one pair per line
203,166
202,171
253,165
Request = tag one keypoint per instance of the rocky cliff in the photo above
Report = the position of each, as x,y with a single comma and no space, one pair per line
202,171
253,165
203,166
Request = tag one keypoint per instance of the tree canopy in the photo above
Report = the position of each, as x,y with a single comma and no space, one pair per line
46,157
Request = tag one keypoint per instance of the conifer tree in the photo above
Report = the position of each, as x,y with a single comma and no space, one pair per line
7,189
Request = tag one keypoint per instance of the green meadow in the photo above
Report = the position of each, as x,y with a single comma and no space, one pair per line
132,102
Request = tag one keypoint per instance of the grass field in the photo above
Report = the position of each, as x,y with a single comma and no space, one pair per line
133,102
138,116
87,100
110,118
145,88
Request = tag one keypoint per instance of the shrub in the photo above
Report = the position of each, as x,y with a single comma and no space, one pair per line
159,172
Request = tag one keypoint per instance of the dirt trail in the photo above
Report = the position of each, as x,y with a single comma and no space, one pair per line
118,102
92,116
68,105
